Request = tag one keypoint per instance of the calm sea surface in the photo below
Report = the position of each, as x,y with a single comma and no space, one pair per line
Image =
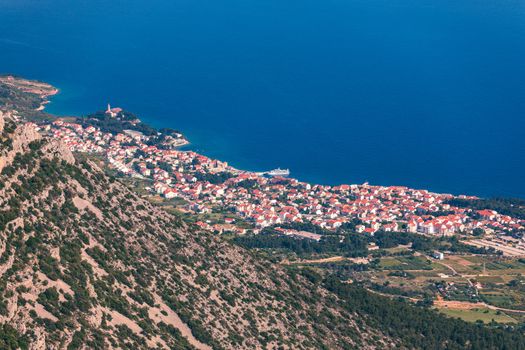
424,93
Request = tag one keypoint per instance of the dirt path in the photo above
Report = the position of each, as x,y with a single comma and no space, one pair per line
465,305
314,261
503,309
454,272
391,296
328,260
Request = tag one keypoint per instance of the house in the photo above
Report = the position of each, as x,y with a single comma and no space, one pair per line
438,255
487,214
372,246
412,226
390,227
370,230
170,193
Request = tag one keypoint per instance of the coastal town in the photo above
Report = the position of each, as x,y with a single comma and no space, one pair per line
454,252
271,175
203,186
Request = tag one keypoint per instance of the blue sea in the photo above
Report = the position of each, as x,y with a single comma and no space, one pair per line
423,93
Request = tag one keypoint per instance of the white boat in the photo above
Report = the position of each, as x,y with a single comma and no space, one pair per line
278,172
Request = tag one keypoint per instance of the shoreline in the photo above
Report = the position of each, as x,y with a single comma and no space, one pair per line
203,185
48,99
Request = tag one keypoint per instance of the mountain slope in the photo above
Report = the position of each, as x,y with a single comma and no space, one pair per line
86,263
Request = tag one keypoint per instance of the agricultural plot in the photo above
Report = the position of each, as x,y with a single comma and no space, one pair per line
406,263
490,280
506,265
461,282
505,297
473,315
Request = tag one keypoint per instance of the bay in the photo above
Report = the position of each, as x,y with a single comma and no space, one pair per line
427,94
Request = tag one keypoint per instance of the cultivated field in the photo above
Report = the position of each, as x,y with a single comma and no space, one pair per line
482,314
472,287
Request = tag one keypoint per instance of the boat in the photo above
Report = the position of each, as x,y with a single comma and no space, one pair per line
278,172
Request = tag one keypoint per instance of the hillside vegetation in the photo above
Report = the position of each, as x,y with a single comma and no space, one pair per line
86,263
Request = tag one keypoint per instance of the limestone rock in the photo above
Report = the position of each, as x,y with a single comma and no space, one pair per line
2,121
23,136
55,148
